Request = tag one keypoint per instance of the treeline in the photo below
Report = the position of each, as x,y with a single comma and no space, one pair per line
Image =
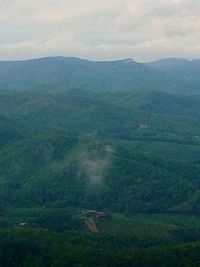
51,147
56,171
45,248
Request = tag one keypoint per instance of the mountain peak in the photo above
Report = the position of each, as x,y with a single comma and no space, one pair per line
168,63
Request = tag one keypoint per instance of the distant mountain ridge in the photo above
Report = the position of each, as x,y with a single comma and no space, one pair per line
167,63
71,124
169,75
171,63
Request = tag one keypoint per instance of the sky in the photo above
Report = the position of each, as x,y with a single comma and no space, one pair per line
143,30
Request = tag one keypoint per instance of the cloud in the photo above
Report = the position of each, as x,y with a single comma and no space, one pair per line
94,163
100,29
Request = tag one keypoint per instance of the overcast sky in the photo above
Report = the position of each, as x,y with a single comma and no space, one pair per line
100,29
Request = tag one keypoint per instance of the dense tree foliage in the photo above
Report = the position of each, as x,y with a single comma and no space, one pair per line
102,146
45,248
124,151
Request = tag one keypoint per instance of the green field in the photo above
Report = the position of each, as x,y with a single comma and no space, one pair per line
142,229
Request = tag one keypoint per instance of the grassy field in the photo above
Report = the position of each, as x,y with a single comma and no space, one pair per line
143,229
154,227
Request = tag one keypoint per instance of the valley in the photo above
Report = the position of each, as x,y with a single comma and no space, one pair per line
95,166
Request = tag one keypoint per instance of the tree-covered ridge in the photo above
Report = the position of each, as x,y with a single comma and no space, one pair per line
45,248
93,177
61,237
181,77
141,149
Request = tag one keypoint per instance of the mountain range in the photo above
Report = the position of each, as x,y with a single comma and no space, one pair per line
168,75
120,135
99,163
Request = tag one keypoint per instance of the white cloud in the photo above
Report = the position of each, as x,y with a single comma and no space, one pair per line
100,29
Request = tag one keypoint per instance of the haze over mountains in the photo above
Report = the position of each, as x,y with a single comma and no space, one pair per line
137,110
169,75
100,142
118,139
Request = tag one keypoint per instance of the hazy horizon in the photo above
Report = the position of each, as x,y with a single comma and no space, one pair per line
98,60
144,30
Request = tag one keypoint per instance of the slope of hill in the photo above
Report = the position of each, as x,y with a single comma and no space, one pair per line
108,113
186,71
137,151
170,63
133,154
73,72
9,131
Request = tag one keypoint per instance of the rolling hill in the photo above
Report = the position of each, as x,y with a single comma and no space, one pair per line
117,138
125,74
139,147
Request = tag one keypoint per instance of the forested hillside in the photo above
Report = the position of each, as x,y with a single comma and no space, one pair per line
141,147
101,160
59,72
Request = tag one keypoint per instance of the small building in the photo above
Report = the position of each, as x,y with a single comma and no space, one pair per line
93,214
22,224
102,215
89,213
143,126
